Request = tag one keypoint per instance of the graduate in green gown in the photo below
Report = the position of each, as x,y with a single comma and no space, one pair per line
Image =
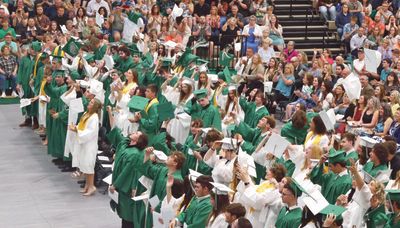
36,82
393,220
378,159
25,71
290,216
195,148
123,60
253,139
57,127
296,130
203,110
254,110
199,208
337,181
148,122
126,173
159,174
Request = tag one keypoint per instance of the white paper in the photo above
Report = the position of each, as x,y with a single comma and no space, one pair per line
176,12
113,196
43,98
25,102
168,213
170,44
190,151
238,47
106,165
21,93
352,86
383,176
99,152
108,179
372,60
316,203
99,19
154,201
103,158
141,197
83,83
329,119
276,145
76,105
64,29
146,182
339,117
109,61
160,155
268,87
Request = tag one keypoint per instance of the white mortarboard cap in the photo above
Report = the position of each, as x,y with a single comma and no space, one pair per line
221,189
206,130
193,175
203,68
213,77
170,44
188,81
232,88
367,141
96,88
160,155
228,143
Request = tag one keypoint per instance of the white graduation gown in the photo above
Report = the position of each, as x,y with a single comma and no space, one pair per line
167,207
262,206
182,120
219,222
121,117
86,147
72,118
353,216
228,119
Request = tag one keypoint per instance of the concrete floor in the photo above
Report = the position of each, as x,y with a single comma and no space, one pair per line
33,192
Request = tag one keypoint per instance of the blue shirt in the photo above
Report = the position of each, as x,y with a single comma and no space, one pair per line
384,74
283,88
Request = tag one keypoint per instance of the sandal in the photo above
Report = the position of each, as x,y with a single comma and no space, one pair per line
76,174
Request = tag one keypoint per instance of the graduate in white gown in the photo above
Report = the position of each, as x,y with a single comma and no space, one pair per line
87,132
263,201
179,95
120,96
233,111
220,200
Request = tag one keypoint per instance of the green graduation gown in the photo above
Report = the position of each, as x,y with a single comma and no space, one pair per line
352,155
149,123
373,170
332,184
57,128
125,178
37,80
209,115
159,175
391,223
196,214
25,70
191,161
289,219
100,52
123,65
376,217
251,115
294,135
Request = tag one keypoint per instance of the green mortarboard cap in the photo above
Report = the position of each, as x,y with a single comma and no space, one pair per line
36,46
137,52
297,189
158,142
201,93
333,209
165,111
72,47
134,17
60,73
393,195
225,58
166,62
74,74
89,57
138,103
336,156
189,58
44,55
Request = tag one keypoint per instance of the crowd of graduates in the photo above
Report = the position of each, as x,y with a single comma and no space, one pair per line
187,100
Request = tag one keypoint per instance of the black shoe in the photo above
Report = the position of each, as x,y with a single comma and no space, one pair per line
81,181
67,169
82,185
57,161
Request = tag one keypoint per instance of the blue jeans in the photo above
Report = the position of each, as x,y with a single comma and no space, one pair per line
328,13
3,79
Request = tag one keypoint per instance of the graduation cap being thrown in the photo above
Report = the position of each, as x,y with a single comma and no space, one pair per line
72,47
165,111
138,103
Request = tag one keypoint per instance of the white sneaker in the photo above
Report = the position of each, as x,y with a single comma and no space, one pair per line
14,94
3,95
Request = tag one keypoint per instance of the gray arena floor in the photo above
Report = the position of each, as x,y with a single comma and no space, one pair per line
33,192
